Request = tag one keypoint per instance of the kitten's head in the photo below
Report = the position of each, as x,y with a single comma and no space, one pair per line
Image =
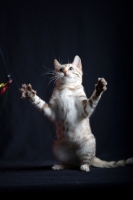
69,73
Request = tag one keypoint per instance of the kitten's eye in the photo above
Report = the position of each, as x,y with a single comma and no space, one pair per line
60,70
70,68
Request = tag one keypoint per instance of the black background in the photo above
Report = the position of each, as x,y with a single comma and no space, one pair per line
33,34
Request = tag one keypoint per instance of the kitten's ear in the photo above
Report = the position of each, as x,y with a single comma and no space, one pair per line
77,62
56,64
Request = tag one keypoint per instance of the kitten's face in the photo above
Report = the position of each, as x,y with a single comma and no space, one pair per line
68,73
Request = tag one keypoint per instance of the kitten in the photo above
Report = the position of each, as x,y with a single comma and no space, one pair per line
70,110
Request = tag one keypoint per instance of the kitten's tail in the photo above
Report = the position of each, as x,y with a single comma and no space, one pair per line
96,162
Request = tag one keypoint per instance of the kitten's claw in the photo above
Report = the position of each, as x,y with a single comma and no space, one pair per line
27,91
101,86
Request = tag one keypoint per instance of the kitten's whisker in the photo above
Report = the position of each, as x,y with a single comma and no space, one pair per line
47,68
53,79
54,76
51,73
56,79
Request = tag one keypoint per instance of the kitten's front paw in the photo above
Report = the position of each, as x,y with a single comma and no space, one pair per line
101,86
85,168
57,167
27,91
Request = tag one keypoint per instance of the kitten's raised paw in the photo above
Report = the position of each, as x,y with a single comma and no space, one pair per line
57,167
27,91
85,168
101,86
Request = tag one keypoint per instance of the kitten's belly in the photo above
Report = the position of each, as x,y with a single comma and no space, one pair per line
69,125
74,133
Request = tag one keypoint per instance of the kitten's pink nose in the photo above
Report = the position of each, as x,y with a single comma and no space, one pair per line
64,71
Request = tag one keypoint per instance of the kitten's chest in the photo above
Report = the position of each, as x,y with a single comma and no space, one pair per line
66,106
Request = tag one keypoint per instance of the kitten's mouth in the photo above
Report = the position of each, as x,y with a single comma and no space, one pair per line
66,76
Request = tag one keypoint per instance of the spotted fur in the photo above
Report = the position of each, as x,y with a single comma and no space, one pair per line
70,110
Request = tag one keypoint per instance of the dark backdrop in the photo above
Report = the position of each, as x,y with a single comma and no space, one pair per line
33,34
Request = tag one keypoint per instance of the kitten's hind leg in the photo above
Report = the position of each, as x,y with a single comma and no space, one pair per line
85,168
66,156
86,152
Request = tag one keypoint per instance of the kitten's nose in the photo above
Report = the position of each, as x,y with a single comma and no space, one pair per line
64,71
